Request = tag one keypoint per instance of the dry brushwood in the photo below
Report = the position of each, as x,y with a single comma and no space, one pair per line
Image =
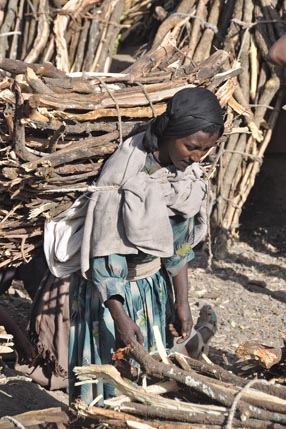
215,398
56,141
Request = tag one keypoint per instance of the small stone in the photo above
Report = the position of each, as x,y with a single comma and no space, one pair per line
201,293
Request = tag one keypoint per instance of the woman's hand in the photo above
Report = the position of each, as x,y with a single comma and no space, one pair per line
183,322
126,329
25,350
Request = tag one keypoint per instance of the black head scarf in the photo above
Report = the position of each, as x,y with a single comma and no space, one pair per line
188,111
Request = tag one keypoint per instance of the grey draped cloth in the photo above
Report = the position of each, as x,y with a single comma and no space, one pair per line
49,333
127,212
132,214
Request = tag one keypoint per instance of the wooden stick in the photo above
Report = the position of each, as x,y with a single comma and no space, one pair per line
201,384
14,44
19,130
20,67
149,412
201,14
42,33
244,78
7,26
84,149
35,83
204,46
185,7
81,46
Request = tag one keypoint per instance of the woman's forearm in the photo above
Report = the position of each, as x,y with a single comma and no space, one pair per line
183,317
181,285
115,306
125,328
8,323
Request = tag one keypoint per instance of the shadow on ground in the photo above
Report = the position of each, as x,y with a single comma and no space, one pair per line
18,397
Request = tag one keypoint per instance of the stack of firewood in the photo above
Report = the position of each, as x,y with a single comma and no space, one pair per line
58,128
183,393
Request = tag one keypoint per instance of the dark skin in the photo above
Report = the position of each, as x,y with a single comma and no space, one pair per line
183,316
31,275
24,348
180,152
277,52
125,329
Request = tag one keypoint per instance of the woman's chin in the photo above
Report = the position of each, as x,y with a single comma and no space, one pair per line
182,165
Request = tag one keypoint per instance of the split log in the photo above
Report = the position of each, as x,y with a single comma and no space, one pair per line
148,412
20,67
108,372
203,385
42,32
121,419
179,410
84,149
56,417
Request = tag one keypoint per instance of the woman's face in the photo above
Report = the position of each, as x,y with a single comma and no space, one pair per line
183,151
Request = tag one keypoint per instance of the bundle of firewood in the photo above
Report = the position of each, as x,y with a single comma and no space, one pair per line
183,393
58,128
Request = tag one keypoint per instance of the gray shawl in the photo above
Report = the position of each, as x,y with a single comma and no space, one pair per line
128,211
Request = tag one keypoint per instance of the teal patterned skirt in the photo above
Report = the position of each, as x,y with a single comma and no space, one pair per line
147,302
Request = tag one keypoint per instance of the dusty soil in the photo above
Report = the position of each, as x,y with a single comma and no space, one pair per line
246,289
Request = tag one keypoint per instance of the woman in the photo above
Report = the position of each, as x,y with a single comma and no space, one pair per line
147,213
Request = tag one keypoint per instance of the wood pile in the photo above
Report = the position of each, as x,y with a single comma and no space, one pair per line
63,128
254,27
57,128
183,393
47,418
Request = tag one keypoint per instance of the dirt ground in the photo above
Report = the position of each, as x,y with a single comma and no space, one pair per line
247,290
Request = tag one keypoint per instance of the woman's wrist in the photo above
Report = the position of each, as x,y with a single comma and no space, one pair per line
181,303
115,306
